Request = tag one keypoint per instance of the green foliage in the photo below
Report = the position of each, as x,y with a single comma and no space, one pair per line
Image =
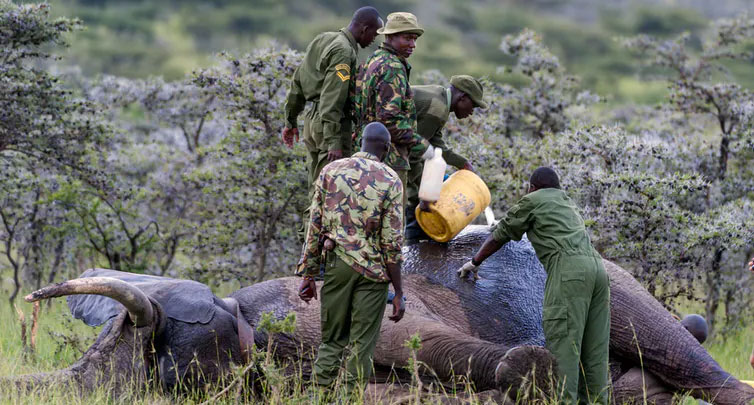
252,193
40,117
268,324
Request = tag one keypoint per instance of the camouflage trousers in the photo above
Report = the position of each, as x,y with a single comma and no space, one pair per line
351,314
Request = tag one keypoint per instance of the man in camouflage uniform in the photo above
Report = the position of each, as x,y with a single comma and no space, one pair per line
433,107
325,79
357,217
383,93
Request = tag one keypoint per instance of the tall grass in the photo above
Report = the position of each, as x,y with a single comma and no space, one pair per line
61,339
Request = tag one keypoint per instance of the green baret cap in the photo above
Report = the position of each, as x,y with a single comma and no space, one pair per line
399,23
471,87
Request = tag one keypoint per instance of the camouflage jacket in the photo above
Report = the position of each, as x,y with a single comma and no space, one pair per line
383,94
324,78
358,204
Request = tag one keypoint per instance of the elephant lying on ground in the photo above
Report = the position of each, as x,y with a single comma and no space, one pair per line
492,326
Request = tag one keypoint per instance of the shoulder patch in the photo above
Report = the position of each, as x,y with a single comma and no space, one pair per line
343,71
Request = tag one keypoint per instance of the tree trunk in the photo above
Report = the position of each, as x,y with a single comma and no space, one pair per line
713,289
723,160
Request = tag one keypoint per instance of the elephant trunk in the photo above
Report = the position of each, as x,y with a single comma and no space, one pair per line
647,335
449,353
61,379
117,359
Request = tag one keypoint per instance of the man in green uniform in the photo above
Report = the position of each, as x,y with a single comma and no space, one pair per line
383,93
325,78
433,107
576,315
356,214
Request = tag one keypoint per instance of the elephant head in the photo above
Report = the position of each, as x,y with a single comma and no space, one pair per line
172,332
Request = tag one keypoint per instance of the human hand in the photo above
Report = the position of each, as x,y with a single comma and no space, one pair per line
288,136
334,154
467,268
308,289
429,153
468,166
398,307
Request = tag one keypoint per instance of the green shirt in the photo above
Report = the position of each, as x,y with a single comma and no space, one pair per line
358,203
325,77
551,222
432,112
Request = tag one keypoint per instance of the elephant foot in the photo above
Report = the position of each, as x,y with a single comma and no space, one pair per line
526,372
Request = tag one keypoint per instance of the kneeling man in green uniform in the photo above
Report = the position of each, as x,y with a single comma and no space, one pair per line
576,315
357,220
433,107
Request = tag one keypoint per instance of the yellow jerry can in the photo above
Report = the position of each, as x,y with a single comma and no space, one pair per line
464,196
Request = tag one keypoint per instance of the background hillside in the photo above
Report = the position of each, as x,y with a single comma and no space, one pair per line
136,38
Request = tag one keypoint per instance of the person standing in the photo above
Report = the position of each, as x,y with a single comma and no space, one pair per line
383,93
357,221
326,78
433,107
576,314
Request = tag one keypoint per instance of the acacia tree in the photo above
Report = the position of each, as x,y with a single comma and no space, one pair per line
252,184
162,128
39,117
643,190
695,91
46,133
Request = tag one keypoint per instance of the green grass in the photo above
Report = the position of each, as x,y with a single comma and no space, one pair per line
60,340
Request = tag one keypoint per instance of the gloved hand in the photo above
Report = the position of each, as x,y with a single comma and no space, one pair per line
468,268
429,153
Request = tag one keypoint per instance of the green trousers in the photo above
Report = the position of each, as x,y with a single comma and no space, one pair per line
413,179
313,139
351,314
576,323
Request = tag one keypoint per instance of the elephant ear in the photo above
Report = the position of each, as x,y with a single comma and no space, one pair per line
183,300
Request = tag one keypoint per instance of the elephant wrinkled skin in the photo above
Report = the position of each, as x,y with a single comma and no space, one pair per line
492,327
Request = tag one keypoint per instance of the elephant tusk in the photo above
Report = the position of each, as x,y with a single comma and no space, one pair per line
137,303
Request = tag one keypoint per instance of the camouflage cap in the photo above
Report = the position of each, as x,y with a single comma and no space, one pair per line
471,87
401,22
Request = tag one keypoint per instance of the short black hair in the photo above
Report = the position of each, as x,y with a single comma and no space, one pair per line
544,177
366,16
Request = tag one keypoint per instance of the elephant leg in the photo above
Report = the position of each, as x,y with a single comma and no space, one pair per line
449,353
633,386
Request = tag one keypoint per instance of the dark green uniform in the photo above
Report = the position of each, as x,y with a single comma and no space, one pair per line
358,205
432,112
576,316
325,79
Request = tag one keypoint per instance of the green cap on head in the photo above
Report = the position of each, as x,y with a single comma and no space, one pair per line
399,23
471,87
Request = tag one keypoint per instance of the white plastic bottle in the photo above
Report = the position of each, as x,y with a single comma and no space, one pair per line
432,176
